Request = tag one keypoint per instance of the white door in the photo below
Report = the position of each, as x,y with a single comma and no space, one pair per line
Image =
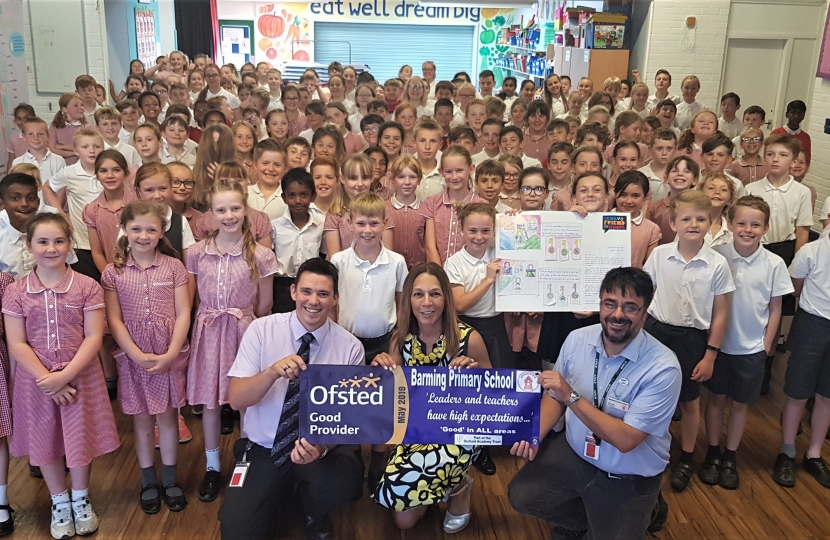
755,71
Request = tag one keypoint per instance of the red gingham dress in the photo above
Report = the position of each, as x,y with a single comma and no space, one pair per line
205,224
103,221
148,308
54,320
227,298
5,406
442,212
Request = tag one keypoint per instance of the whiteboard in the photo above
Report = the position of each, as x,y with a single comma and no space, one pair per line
58,44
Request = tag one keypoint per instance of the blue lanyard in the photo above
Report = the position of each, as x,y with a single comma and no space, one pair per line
599,404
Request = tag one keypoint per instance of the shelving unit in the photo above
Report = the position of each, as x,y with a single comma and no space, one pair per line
518,58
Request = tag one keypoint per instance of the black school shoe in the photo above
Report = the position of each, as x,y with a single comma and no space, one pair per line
680,476
729,475
784,473
484,463
7,527
152,505
34,471
209,489
709,473
320,529
818,468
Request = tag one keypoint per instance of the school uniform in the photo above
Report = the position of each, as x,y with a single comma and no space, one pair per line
739,368
275,103
653,100
166,157
5,370
746,173
681,313
16,145
536,150
227,297
808,371
274,206
233,101
432,183
466,270
343,225
293,246
81,189
825,213
528,161
441,211
723,236
15,257
644,233
660,213
297,126
657,188
129,153
367,296
513,201
54,322
731,129
307,134
802,136
482,156
354,143
147,311
204,225
354,120
686,112
65,136
410,226
126,137
51,164
103,221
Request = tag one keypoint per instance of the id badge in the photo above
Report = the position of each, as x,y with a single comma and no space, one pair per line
591,447
618,404
240,471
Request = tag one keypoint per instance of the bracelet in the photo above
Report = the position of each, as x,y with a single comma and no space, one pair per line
325,451
712,348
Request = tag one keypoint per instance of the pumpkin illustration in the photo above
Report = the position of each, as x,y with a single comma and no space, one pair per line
271,26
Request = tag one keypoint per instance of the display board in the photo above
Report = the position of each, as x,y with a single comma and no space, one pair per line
58,44
556,261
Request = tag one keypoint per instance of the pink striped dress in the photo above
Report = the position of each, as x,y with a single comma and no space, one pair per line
227,296
54,320
104,222
204,225
644,233
5,405
442,212
148,309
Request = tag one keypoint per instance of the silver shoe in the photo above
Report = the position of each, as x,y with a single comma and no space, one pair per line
62,526
86,522
454,524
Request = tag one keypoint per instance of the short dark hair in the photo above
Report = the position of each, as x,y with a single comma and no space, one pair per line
370,119
631,177
17,178
320,267
298,176
512,129
493,122
144,95
538,106
731,95
214,112
797,105
629,280
315,106
560,146
667,103
444,102
719,139
178,109
756,109
486,73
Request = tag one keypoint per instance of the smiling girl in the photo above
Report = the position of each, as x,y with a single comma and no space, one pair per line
631,190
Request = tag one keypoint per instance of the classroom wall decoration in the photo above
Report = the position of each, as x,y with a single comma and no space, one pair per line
285,31
145,35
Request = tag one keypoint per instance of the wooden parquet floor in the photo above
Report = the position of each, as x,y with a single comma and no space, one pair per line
760,509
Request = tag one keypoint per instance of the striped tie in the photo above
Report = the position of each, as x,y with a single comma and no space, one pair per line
289,428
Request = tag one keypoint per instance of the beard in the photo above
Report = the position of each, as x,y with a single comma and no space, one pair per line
617,336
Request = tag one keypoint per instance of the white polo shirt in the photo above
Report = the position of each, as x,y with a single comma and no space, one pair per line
432,183
528,161
125,136
274,206
724,236
825,213
51,165
758,279
129,153
233,101
81,189
653,100
482,156
731,129
187,158
685,291
367,291
686,112
293,245
465,270
812,264
657,189
790,207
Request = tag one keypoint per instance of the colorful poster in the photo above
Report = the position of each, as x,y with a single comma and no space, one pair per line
14,83
418,405
556,261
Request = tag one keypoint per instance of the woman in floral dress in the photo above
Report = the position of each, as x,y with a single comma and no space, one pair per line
429,333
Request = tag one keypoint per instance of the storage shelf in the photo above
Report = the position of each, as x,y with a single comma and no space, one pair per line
522,72
542,51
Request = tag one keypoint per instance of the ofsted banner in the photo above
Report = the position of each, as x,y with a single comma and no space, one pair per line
418,405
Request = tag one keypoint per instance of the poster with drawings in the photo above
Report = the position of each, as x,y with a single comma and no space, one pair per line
556,261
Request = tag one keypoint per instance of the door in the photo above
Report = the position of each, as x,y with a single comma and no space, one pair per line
755,71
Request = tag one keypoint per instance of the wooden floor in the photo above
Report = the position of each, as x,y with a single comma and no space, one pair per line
760,509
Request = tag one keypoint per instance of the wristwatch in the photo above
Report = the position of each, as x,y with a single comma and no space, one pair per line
573,398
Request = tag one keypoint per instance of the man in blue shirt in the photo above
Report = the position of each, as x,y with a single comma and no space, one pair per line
617,387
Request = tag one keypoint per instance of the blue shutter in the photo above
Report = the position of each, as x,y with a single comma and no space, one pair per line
384,48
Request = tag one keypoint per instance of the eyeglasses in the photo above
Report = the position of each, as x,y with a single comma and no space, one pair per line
538,190
159,91
470,96
251,119
416,86
511,175
605,103
291,99
751,139
189,184
211,75
372,129
628,309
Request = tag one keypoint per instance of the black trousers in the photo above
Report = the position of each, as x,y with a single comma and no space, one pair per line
494,334
373,346
249,512
561,487
282,295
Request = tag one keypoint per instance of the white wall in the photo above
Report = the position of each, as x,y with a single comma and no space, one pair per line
640,31
167,25
819,176
236,10
118,43
46,105
683,51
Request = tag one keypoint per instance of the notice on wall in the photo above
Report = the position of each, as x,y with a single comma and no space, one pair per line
556,261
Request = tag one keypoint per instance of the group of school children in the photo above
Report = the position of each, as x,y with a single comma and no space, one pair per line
195,199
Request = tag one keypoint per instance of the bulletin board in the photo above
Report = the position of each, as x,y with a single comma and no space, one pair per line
145,35
236,42
58,44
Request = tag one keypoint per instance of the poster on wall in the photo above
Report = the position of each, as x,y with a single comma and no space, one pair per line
823,70
285,31
556,261
145,35
14,83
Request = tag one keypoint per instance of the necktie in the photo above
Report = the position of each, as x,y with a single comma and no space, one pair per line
289,427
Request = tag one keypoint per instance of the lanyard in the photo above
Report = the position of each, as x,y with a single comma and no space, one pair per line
599,404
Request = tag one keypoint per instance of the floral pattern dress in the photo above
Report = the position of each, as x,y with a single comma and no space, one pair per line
424,474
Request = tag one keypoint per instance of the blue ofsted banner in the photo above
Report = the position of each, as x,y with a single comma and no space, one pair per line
418,405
